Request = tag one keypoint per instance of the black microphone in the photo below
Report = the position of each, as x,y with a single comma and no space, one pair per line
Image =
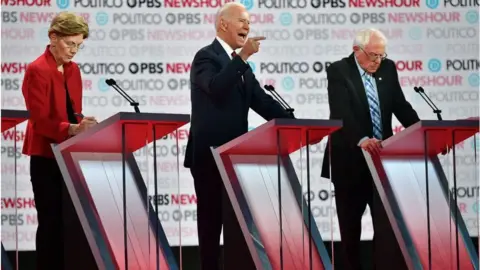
113,84
280,100
430,103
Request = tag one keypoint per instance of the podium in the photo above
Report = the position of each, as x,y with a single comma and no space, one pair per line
414,190
109,193
267,196
10,119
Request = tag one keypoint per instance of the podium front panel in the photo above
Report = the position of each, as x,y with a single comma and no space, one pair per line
97,179
268,197
123,228
431,224
116,199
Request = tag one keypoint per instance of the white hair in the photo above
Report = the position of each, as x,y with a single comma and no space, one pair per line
362,37
224,10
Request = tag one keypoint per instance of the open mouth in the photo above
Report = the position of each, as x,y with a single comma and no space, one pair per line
243,36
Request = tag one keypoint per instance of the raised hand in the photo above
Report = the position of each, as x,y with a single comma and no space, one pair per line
252,45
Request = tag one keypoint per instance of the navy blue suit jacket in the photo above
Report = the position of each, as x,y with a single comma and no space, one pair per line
221,101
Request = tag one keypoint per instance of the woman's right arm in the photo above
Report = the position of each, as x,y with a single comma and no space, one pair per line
35,89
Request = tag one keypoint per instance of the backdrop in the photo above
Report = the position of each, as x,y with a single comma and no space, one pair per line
147,47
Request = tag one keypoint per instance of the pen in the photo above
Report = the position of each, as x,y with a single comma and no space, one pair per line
79,115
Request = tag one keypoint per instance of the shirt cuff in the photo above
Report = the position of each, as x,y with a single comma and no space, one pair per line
362,140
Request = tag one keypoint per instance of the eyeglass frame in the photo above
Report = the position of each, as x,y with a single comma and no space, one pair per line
374,57
71,44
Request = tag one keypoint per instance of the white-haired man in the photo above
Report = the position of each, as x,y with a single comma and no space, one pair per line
223,88
364,92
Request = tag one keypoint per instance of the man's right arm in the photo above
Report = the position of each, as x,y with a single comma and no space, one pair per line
340,107
216,83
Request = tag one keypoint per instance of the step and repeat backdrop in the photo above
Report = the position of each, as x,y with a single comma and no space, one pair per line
147,47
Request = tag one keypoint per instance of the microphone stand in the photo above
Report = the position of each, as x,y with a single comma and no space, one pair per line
133,103
430,103
280,100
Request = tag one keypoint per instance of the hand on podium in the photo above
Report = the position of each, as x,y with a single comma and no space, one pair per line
86,123
372,146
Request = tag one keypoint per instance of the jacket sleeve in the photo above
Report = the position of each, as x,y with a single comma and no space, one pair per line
211,79
35,90
340,109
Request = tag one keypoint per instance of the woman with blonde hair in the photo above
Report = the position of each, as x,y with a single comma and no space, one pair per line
52,88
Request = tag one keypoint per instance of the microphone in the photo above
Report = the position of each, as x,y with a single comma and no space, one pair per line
280,100
113,84
430,103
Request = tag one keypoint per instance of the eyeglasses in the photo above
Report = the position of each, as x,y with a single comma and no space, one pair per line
73,45
373,56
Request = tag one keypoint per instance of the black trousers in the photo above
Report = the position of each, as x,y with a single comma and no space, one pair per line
214,210
60,240
352,195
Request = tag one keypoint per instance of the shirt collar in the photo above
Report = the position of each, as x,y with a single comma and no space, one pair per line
360,69
226,47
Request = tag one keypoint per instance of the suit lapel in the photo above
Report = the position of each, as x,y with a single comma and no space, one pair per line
222,54
225,59
358,87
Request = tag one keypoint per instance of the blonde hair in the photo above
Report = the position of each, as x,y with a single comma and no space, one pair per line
69,24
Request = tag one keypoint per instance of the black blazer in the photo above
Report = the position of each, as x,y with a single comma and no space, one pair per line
221,101
348,101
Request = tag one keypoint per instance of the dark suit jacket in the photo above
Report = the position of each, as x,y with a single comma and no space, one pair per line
348,101
221,101
46,99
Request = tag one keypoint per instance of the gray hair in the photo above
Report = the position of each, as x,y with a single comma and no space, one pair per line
362,37
224,10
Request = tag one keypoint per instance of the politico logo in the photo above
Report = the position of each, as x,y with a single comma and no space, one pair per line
63,4
279,4
433,4
462,64
434,65
101,18
247,3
